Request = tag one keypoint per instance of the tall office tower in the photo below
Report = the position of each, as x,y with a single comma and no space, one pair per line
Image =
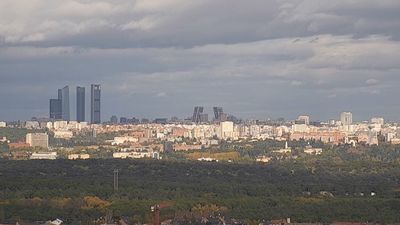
203,118
218,111
80,104
114,120
63,95
196,114
346,118
55,109
95,104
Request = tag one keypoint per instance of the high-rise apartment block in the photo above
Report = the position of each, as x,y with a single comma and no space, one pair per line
95,104
303,120
226,129
346,118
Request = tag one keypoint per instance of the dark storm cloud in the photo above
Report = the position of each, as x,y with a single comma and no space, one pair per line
159,58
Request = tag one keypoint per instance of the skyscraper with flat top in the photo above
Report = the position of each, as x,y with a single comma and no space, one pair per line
55,109
346,118
95,104
63,94
80,104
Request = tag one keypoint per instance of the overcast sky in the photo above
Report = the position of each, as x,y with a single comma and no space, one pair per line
159,58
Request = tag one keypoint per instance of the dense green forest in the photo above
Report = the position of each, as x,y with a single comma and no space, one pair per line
306,191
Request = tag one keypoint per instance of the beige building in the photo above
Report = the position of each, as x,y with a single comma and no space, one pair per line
304,119
37,140
226,129
346,118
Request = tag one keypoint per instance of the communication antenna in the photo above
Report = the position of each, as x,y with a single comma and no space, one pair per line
116,180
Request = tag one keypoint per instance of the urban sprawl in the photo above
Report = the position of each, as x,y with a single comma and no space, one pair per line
134,138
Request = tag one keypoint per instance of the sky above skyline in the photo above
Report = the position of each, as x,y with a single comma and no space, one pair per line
257,59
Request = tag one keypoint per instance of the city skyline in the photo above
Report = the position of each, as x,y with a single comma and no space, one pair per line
175,112
262,59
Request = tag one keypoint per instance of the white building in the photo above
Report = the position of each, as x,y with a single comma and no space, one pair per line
44,155
226,129
32,125
54,222
124,139
346,118
303,128
263,159
304,119
63,134
313,151
207,159
78,156
60,125
378,120
132,155
37,140
3,124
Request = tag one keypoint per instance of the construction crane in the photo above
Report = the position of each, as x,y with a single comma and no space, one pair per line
155,210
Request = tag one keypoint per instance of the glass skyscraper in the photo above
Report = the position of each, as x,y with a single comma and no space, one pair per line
55,109
80,104
95,104
63,94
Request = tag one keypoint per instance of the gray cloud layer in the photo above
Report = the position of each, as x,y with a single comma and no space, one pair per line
258,58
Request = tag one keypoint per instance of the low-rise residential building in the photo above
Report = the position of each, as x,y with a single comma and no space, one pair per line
207,159
263,159
334,137
186,147
124,140
313,151
78,156
44,155
63,134
132,155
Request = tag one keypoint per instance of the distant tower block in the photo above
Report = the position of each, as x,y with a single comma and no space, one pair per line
116,180
198,110
80,104
218,111
95,95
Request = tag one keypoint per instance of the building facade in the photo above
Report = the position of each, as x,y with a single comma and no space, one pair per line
198,110
37,140
80,104
55,109
95,104
346,118
63,94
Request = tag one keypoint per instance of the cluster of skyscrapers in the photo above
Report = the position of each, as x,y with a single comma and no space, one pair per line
200,117
60,107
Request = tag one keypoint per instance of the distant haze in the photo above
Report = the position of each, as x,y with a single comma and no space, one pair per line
256,58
